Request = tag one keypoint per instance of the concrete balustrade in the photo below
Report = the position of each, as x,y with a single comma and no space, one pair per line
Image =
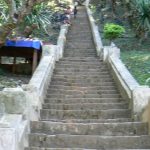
61,40
21,105
138,96
95,32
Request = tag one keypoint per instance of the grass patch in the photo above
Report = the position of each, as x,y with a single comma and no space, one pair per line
138,63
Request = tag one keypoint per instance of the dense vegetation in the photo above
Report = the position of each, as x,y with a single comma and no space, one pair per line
30,18
134,16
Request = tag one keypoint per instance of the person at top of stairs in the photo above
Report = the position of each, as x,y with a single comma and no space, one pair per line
75,11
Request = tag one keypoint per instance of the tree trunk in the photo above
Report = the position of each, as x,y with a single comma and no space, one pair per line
113,5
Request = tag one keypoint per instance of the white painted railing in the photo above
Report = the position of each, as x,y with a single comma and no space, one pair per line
95,32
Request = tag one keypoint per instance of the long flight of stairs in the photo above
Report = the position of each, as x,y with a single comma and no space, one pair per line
83,108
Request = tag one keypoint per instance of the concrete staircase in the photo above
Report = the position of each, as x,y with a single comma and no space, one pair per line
83,108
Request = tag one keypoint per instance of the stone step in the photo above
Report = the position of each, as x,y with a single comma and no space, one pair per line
81,73
83,100
82,84
76,30
77,90
47,114
72,92
86,36
81,19
81,41
82,95
58,87
78,54
83,76
105,129
82,69
85,106
81,59
78,36
73,52
80,64
82,80
83,14
38,148
78,23
77,77
89,141
75,61
74,48
79,45
121,120
82,50
73,82
79,33
84,64
78,26
84,27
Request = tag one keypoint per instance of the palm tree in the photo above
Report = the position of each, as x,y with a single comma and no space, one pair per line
142,8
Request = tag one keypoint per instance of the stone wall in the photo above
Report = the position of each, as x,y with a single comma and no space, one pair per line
138,96
18,106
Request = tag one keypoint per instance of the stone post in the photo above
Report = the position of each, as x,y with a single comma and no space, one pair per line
141,99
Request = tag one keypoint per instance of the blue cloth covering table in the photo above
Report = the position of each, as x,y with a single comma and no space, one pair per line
36,44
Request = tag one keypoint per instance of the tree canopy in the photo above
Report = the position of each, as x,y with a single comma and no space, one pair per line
28,14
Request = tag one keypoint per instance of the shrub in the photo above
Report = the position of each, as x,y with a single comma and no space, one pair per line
113,31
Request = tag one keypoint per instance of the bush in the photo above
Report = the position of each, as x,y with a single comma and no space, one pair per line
113,31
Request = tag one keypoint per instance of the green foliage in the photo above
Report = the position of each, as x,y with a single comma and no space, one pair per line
143,13
113,31
3,12
41,15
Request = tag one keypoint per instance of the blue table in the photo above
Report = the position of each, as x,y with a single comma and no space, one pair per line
36,44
